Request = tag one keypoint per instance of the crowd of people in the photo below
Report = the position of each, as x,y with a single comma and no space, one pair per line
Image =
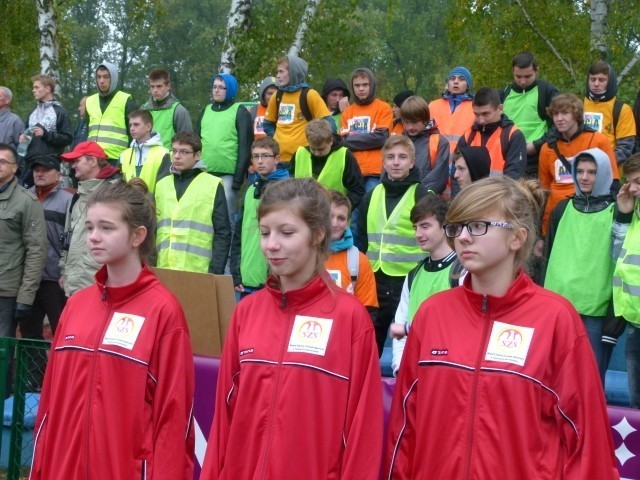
344,221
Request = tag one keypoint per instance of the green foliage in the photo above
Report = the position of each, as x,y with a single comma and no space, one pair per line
19,55
490,32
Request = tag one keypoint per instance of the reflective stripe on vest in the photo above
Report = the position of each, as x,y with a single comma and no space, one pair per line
332,172
494,145
185,228
220,139
392,247
163,123
108,128
626,276
149,171
254,268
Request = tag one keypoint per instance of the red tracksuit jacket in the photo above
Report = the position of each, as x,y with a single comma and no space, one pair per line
118,392
499,387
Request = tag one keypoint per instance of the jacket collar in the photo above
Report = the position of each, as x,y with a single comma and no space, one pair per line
310,293
520,291
120,295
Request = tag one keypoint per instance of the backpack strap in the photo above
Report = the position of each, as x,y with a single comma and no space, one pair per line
353,262
617,108
505,139
304,104
562,158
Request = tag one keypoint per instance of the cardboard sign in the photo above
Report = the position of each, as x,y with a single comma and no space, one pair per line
208,302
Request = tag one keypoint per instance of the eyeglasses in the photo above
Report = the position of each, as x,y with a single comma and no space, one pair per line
219,87
6,162
477,228
258,156
181,152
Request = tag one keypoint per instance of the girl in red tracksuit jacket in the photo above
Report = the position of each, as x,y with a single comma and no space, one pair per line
299,385
498,379
118,390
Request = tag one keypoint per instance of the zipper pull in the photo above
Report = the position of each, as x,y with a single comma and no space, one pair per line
284,300
104,293
485,303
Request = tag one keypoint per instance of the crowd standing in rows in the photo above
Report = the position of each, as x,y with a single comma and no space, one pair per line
379,204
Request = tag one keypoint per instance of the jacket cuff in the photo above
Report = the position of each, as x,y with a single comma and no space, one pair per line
624,217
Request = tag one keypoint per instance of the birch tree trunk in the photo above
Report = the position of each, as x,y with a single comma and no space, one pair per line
307,16
238,23
48,29
599,25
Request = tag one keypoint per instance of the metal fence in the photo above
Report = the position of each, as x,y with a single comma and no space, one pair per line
22,366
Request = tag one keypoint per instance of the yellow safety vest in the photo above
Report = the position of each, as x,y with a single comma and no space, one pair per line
626,276
108,128
149,171
185,229
330,175
392,246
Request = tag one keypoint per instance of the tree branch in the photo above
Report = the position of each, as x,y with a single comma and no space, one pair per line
546,40
629,66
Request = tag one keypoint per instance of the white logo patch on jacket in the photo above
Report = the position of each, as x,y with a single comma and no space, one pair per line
509,343
123,330
310,335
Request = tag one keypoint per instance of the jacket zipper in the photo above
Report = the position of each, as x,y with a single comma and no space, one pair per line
274,396
476,379
93,375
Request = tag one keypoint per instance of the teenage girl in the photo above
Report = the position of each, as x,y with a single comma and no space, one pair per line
118,390
498,378
299,385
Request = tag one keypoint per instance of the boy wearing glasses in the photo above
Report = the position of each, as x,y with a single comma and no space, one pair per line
329,162
249,268
193,232
226,130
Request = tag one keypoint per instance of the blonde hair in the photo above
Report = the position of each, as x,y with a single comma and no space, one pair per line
521,202
399,140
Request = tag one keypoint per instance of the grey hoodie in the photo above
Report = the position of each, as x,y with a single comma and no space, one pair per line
604,175
359,72
297,72
113,71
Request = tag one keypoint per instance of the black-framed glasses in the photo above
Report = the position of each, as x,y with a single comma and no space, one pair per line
182,152
258,156
476,228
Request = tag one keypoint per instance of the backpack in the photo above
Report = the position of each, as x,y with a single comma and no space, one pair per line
304,106
353,263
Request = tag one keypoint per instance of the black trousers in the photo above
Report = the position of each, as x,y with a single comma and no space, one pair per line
389,290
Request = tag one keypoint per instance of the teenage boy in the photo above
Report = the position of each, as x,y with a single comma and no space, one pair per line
471,164
268,87
193,223
605,113
227,133
365,126
525,102
578,245
49,125
626,276
398,127
107,111
453,113
249,267
292,107
328,161
347,265
437,272
169,115
492,129
385,229
568,137
146,157
432,149
336,95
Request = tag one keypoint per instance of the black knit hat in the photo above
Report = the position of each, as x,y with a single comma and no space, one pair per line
401,97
